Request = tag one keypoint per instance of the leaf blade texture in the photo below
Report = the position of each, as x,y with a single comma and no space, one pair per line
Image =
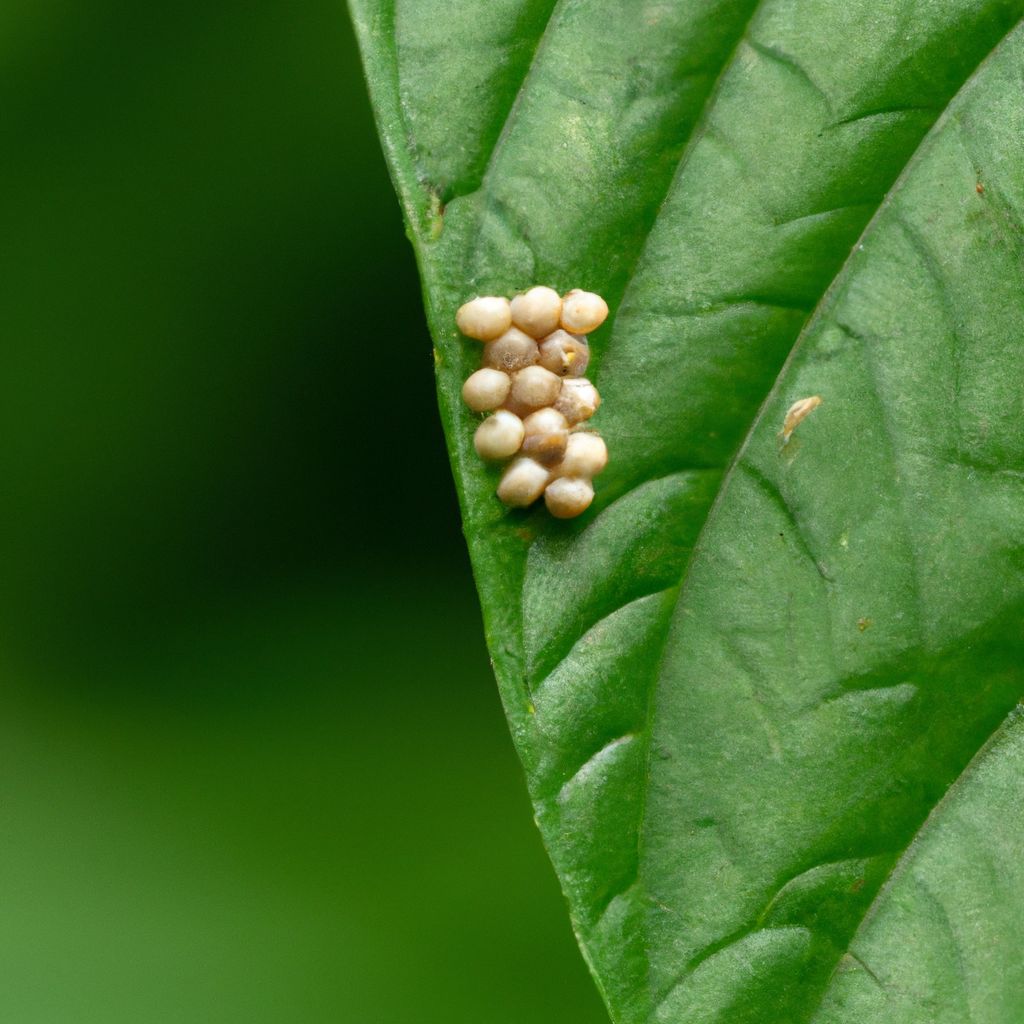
751,685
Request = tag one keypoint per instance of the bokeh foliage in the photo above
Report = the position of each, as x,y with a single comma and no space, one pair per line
252,766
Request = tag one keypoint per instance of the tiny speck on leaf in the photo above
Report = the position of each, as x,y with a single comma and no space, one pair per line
797,413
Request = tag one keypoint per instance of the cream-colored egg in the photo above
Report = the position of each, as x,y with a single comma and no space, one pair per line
499,436
513,351
534,387
568,497
486,389
566,354
523,482
578,400
585,455
583,312
537,311
485,317
547,434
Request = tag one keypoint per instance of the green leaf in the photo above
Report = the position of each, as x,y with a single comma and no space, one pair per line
764,692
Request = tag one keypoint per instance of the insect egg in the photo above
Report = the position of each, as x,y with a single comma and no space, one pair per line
578,400
499,436
583,312
484,318
535,387
537,311
546,436
486,389
568,497
531,383
585,455
565,354
523,482
512,351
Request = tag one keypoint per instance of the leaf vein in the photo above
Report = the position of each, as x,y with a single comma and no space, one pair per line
598,756
901,863
830,291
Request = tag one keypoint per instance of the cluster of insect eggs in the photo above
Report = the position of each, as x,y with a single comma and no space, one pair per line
532,383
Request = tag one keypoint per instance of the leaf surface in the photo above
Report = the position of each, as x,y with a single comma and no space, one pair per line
762,689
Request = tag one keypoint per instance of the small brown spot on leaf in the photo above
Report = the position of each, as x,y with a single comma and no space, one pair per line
863,624
797,413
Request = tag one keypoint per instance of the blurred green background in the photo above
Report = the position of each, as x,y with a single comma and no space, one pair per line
252,762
